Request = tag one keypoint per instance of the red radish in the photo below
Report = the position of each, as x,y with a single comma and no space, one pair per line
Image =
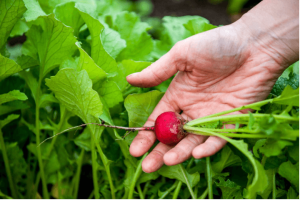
168,128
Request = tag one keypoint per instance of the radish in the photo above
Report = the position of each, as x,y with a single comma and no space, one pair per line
168,128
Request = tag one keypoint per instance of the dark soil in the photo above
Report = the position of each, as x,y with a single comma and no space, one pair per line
216,14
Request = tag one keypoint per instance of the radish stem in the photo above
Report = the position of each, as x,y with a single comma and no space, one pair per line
209,178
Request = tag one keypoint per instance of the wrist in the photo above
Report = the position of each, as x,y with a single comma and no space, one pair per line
272,28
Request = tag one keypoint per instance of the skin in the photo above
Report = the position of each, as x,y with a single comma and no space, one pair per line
217,70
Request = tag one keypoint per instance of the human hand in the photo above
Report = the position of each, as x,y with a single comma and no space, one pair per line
217,70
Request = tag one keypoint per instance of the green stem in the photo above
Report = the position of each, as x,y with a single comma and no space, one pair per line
145,190
169,190
140,191
137,174
274,184
177,190
78,172
203,196
187,181
7,167
209,178
236,118
203,131
37,181
91,195
94,168
37,125
58,186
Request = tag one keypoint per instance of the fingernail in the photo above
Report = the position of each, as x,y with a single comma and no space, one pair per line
130,75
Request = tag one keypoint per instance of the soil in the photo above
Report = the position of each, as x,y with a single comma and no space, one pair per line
216,14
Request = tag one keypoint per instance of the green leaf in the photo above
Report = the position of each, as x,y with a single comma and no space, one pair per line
11,12
134,32
260,181
175,30
52,40
125,68
293,151
110,92
19,29
145,177
8,119
12,106
34,10
230,190
74,90
112,42
290,172
99,54
87,63
274,162
292,194
8,67
289,96
46,99
11,96
140,106
84,140
273,147
228,158
199,25
26,62
174,172
69,15
30,81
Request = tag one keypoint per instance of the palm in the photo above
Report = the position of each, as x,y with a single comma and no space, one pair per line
215,74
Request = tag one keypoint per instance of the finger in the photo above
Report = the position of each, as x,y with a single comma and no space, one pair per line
211,146
183,150
154,160
145,139
160,70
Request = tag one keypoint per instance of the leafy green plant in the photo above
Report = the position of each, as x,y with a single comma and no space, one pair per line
72,69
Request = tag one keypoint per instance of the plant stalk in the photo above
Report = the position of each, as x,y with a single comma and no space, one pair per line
137,174
187,181
78,172
37,125
209,178
94,168
7,167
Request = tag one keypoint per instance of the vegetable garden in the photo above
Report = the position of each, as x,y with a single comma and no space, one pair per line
71,70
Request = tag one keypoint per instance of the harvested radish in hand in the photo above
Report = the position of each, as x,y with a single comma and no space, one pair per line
169,128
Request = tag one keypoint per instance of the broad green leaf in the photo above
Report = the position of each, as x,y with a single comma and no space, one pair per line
292,79
28,49
69,15
230,190
110,92
99,54
145,177
11,12
8,67
34,10
49,5
174,27
52,40
112,42
8,119
288,97
87,63
84,140
125,68
273,147
290,172
11,96
228,158
174,172
12,106
74,90
293,151
19,29
199,25
46,99
139,43
26,62
140,106
274,162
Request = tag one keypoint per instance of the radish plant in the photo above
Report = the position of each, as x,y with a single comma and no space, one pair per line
70,69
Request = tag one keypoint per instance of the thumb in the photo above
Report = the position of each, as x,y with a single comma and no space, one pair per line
160,70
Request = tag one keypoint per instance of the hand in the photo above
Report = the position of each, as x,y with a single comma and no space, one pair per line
217,70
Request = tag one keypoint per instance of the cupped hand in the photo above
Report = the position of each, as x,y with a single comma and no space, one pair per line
216,70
